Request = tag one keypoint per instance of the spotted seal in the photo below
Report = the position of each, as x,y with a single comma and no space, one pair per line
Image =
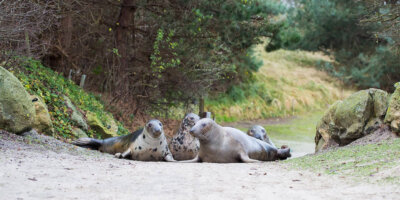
259,132
183,145
147,144
228,145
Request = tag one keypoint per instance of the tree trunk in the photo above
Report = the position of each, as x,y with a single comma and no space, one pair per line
124,32
66,27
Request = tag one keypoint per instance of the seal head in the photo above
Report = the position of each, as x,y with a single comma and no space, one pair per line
257,132
189,121
154,128
202,129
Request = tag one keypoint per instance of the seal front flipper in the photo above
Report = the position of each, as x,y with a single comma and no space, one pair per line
90,143
194,160
245,158
169,158
126,154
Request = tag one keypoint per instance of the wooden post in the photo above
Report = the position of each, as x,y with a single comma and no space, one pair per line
82,81
201,106
202,113
70,74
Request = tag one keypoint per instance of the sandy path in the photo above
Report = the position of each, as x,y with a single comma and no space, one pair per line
47,169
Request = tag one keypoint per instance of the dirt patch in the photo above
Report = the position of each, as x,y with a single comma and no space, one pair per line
40,167
382,134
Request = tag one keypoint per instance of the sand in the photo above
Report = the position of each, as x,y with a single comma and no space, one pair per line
39,167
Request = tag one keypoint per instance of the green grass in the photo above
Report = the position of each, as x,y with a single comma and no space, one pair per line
288,83
374,162
51,86
300,129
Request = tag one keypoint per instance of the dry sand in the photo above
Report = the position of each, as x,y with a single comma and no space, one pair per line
39,167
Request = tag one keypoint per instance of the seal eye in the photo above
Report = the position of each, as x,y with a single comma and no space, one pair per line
203,125
160,124
192,118
149,125
263,130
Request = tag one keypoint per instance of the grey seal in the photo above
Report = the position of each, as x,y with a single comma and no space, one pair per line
147,144
183,145
229,145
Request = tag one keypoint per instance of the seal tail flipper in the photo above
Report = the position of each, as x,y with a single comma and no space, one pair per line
88,143
284,153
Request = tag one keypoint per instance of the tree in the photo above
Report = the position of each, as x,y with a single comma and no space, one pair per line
149,54
386,13
333,26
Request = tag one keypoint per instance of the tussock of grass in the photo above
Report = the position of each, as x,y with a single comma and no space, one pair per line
286,84
378,162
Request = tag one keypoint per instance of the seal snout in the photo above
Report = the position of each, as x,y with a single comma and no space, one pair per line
157,131
258,137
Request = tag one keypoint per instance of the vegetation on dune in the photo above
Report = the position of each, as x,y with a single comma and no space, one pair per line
286,84
52,87
362,161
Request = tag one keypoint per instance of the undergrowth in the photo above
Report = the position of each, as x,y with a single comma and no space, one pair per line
51,87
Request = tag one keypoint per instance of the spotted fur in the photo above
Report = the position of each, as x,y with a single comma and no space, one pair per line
147,144
183,145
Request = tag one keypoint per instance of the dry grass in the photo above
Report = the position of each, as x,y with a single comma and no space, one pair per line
294,86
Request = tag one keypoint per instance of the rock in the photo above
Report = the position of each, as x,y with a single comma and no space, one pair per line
42,122
111,124
381,102
76,115
393,112
351,116
105,131
79,133
345,121
32,133
17,112
325,127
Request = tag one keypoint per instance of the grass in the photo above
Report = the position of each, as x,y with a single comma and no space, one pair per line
287,84
51,87
375,162
300,129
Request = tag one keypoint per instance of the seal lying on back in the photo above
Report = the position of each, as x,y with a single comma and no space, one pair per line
147,144
259,132
183,145
228,145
